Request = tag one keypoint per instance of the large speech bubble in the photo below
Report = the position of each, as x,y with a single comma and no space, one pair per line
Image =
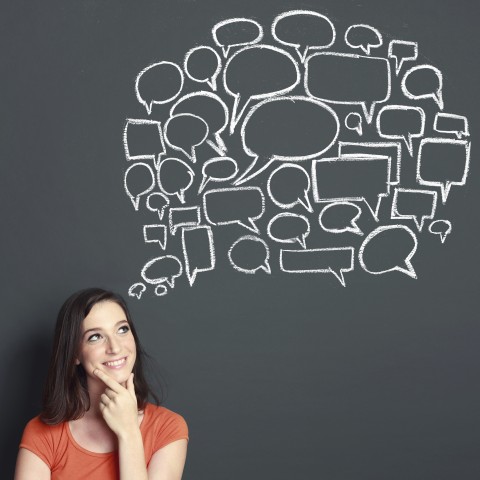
304,30
364,37
451,123
139,180
161,270
175,177
249,254
198,251
235,32
347,212
218,169
143,139
203,64
258,72
300,128
423,81
442,228
227,206
443,162
348,79
414,204
392,244
158,202
158,83
289,228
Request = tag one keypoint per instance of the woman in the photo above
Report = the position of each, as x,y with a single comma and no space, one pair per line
96,422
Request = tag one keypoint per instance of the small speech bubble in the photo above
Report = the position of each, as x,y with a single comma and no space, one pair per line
143,139
424,81
162,270
450,123
402,52
250,254
183,217
235,32
161,290
353,121
394,245
227,206
218,169
304,30
159,83
175,177
184,132
345,213
139,180
441,228
155,234
319,260
401,122
158,202
364,37
289,228
137,290
288,185
203,64
198,251
417,205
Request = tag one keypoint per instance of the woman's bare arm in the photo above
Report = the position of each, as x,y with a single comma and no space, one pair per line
168,462
30,467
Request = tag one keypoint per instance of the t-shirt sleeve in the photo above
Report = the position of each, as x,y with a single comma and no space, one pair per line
38,438
174,427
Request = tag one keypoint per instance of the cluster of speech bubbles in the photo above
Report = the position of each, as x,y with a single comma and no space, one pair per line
317,147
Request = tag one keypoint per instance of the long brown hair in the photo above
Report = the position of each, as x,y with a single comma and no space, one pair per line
65,395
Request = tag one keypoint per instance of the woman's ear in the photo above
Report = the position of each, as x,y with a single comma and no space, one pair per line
77,361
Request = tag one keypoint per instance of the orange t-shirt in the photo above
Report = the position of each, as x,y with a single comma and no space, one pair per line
67,460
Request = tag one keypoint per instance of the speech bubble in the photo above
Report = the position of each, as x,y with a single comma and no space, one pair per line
155,233
410,119
441,228
395,240
353,121
218,169
304,30
251,254
163,269
417,205
257,72
143,139
402,52
348,79
226,206
443,162
352,178
161,290
364,37
289,228
451,123
209,107
183,217
184,132
175,177
139,180
350,211
300,128
198,251
291,184
319,260
137,290
158,83
429,81
203,64
158,202
235,32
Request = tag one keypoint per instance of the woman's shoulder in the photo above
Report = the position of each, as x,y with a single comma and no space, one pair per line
161,415
37,427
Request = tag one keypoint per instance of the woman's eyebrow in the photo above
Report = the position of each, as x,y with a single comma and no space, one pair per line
96,329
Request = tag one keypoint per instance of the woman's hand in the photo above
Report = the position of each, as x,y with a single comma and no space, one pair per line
118,405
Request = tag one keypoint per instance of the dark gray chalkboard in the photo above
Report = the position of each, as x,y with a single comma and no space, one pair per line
279,375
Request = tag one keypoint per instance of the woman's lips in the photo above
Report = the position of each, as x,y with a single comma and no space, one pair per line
116,364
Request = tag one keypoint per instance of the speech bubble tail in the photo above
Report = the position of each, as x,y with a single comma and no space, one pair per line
226,51
252,227
409,143
212,84
157,160
220,151
419,223
205,180
193,155
266,268
302,55
408,269
443,237
181,196
244,178
237,112
161,290
135,201
192,276
359,129
376,203
445,190
398,65
170,282
368,112
339,276
365,49
356,229
301,240
305,202
148,107
439,99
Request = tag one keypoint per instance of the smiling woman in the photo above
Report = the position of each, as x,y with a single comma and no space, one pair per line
96,420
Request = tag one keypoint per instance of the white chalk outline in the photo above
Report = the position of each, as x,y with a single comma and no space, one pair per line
399,64
411,136
235,117
245,177
442,235
211,81
298,45
190,223
265,266
134,121
162,280
160,241
161,290
253,227
207,178
339,276
358,128
136,286
368,112
396,215
192,276
410,271
150,105
437,96
444,186
160,212
226,50
136,200
180,194
353,228
301,240
369,45
458,133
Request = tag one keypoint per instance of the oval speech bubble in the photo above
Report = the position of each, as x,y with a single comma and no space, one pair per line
157,202
425,81
203,64
175,177
139,180
163,269
218,169
364,37
249,254
441,228
234,32
289,228
348,211
353,121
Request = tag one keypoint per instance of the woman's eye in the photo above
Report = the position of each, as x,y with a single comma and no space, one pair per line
124,329
94,337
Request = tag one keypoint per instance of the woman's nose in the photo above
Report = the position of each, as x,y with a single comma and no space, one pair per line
113,345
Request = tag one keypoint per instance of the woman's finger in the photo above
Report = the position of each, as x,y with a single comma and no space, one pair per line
104,399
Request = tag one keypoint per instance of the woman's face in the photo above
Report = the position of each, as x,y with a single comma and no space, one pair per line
106,343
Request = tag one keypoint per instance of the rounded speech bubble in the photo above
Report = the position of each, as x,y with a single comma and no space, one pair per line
353,121
163,269
281,226
235,32
175,177
158,202
348,211
139,180
304,30
390,239
364,37
137,290
249,254
425,81
158,83
203,64
441,228
218,169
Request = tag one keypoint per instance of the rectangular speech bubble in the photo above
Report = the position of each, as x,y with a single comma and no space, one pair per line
183,217
143,139
198,250
414,204
451,123
155,234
